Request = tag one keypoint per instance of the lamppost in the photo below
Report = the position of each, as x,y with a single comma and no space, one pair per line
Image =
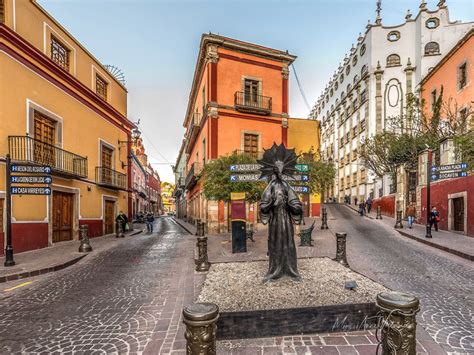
428,197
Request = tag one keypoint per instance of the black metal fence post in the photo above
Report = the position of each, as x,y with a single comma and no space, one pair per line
398,223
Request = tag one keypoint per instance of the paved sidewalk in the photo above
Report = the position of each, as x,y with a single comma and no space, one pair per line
450,242
57,257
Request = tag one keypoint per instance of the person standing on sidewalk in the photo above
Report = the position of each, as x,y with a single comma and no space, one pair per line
434,218
368,202
411,214
122,219
150,219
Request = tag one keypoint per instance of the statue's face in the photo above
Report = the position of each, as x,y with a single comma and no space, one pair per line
278,168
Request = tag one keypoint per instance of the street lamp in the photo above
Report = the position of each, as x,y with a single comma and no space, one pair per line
428,197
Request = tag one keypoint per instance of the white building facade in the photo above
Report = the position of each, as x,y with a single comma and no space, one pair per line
371,85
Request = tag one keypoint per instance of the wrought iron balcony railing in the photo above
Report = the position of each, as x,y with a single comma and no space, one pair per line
247,102
110,178
33,151
193,173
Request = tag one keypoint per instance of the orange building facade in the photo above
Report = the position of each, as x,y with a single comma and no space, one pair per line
238,102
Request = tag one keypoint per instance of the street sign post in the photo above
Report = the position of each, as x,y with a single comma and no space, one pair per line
17,179
256,177
8,247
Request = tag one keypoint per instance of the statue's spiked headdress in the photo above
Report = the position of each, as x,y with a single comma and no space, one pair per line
278,157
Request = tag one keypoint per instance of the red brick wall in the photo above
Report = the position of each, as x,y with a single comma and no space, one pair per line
95,227
387,203
439,198
29,236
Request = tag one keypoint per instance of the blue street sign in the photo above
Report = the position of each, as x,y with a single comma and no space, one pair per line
449,175
30,190
449,167
17,179
18,168
301,189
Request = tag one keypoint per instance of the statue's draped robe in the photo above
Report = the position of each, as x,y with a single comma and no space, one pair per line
280,206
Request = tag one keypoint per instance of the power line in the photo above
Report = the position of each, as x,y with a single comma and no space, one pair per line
300,88
156,149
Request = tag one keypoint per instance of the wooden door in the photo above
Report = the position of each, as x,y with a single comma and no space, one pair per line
458,209
251,92
306,205
251,144
109,217
62,216
44,134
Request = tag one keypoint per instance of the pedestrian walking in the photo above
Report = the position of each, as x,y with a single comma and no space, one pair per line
368,202
150,219
355,201
122,220
361,209
434,218
411,214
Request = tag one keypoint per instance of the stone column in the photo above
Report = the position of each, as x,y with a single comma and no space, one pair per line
378,98
200,320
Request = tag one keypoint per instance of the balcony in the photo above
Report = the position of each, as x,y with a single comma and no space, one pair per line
193,131
258,104
192,176
110,178
32,151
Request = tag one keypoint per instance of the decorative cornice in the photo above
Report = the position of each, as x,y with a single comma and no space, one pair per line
212,56
285,73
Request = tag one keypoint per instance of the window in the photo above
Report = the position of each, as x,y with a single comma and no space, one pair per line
251,92
101,87
336,85
363,70
204,151
393,60
354,60
393,36
45,139
348,137
362,50
354,179
432,23
59,53
203,100
331,93
106,162
354,152
432,48
2,18
363,96
356,79
348,88
362,126
341,78
348,69
462,76
251,144
433,100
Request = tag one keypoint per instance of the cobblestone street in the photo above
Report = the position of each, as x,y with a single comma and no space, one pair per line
443,282
124,300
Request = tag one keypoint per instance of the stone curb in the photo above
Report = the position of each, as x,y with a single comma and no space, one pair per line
46,270
182,225
431,244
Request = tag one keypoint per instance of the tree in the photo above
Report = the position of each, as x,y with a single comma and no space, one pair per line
321,174
217,184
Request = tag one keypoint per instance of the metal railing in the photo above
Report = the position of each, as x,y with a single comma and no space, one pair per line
110,178
34,151
254,103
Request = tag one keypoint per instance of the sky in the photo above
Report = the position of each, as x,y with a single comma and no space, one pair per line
155,43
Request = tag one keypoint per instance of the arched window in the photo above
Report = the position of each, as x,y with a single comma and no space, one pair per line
363,70
362,50
393,60
349,87
331,92
341,78
431,48
336,85
354,60
348,69
356,78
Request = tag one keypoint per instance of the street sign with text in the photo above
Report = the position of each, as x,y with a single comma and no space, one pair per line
17,179
30,190
449,167
448,175
256,177
244,167
301,189
303,168
36,169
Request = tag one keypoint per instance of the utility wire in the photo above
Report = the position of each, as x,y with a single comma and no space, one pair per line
300,88
156,149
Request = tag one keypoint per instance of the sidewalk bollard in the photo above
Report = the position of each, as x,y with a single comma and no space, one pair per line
324,219
379,213
198,223
200,229
398,223
200,320
398,326
119,232
85,246
202,263
341,249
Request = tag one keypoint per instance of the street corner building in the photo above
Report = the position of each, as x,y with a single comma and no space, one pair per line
238,104
60,108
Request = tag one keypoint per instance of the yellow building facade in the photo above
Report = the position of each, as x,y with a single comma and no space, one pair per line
59,107
305,136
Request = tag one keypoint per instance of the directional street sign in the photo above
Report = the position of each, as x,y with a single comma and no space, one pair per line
30,190
303,168
244,167
256,177
449,167
16,168
299,178
17,179
301,189
449,175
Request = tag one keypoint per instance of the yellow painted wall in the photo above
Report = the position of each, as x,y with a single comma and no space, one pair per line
304,135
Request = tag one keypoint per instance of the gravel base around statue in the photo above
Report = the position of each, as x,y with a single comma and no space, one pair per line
238,286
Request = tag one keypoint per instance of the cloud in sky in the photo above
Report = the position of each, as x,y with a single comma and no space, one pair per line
155,43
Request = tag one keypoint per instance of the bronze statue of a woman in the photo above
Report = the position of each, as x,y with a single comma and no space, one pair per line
280,207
